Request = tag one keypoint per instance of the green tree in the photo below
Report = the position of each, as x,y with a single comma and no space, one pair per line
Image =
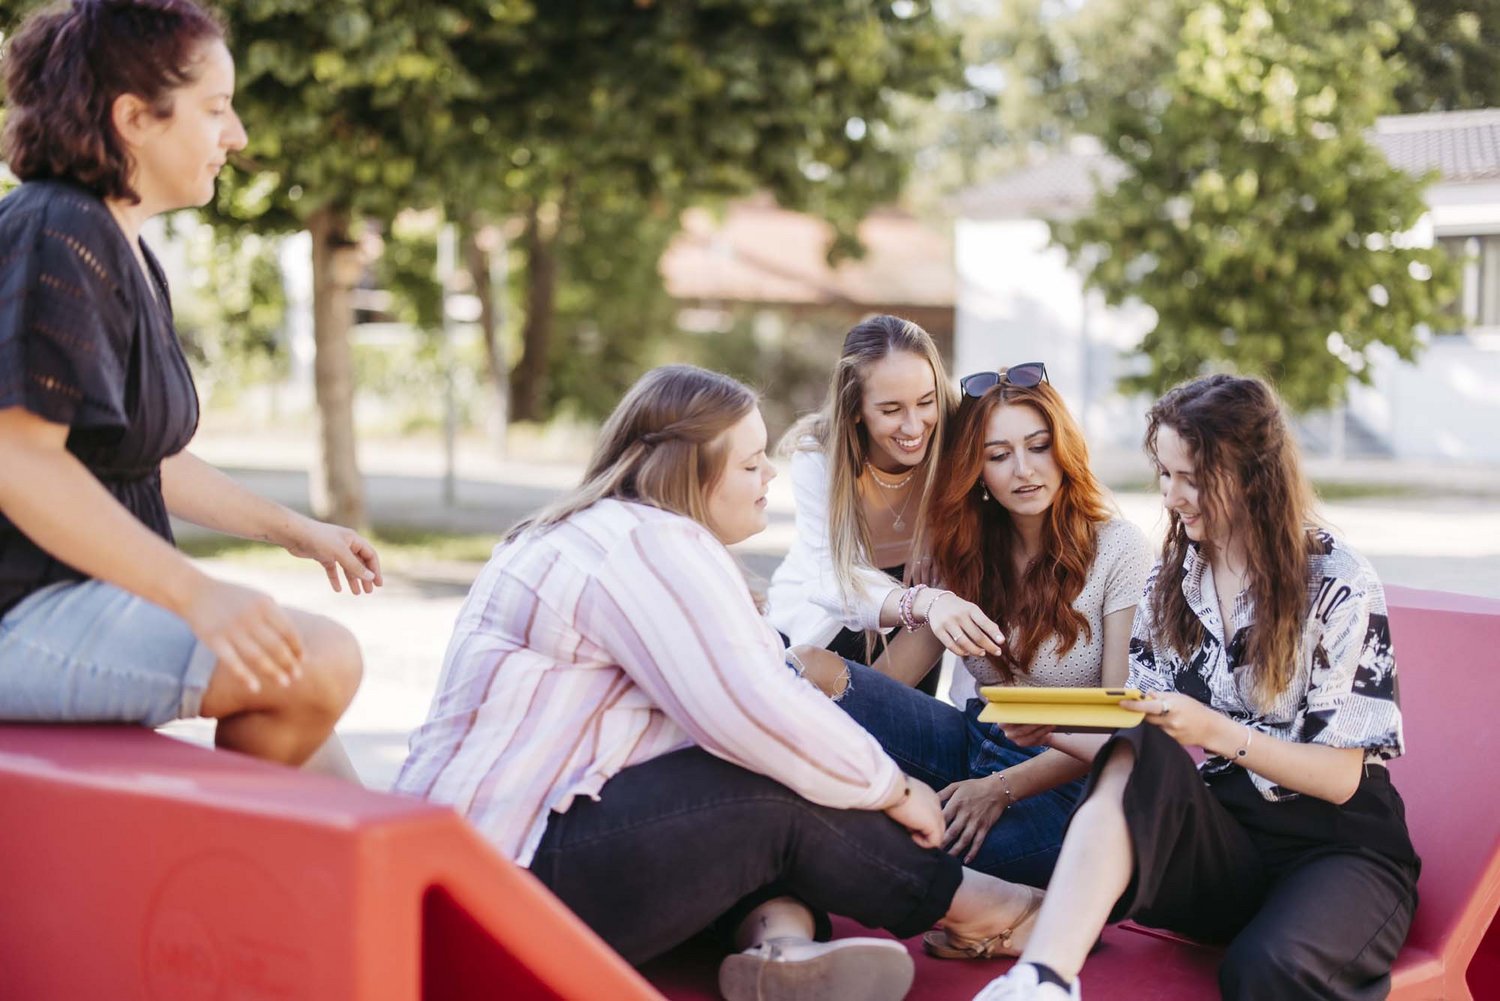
1451,53
637,110
1254,217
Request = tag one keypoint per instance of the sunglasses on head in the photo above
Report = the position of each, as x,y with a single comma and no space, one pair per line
1024,376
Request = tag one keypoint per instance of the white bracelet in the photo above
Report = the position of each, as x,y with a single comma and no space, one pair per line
1249,736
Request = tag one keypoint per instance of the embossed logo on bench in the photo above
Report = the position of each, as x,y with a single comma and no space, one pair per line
220,927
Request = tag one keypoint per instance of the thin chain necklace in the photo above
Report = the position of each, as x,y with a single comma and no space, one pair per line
899,524
895,484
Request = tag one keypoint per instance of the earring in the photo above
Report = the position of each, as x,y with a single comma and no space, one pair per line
984,495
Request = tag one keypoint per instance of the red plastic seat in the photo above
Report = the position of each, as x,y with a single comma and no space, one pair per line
135,866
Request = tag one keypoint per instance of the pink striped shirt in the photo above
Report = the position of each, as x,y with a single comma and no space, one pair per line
617,636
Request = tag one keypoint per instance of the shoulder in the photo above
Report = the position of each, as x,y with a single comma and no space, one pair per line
809,466
1121,535
1121,544
63,223
1333,558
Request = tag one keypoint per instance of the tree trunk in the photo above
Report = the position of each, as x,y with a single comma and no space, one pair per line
337,489
528,381
480,264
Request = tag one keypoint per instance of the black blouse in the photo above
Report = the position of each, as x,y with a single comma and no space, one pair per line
86,342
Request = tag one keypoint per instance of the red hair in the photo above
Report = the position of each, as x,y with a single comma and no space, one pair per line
973,539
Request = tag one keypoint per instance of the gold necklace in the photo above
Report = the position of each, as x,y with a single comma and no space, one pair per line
895,484
899,524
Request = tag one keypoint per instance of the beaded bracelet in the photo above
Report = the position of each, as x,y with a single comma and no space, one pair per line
905,606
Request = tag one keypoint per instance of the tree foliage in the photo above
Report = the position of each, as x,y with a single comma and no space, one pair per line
1254,217
1451,54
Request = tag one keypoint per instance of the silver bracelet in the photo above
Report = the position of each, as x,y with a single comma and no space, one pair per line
1249,736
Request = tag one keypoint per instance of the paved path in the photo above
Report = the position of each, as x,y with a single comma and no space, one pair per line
1447,542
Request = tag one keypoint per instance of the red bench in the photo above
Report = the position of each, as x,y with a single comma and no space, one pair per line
134,866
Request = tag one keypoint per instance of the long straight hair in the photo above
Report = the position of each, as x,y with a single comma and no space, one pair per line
663,445
1251,484
973,539
837,432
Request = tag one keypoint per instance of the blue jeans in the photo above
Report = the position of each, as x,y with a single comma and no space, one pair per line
940,745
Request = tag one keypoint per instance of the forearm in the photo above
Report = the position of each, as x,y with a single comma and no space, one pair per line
1047,770
64,510
197,492
1329,773
909,656
1079,746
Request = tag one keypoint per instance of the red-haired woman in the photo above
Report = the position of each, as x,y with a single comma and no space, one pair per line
117,111
1019,526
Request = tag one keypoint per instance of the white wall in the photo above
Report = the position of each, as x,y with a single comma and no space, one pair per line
1018,301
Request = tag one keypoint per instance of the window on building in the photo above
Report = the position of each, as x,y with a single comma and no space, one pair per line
1478,302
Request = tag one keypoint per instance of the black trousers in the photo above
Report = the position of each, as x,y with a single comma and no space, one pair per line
1313,899
674,844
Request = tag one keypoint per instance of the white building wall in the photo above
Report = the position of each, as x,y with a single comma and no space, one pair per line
1019,300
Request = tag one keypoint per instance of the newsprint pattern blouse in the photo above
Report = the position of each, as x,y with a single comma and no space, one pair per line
1344,692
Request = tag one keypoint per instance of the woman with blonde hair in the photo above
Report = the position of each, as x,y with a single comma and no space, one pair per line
1263,640
863,472
615,714
1020,525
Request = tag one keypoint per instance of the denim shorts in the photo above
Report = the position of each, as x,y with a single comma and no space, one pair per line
89,652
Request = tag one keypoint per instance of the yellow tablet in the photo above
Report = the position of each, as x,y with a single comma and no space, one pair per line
1073,710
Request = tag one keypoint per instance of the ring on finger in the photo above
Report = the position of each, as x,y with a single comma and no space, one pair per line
1166,707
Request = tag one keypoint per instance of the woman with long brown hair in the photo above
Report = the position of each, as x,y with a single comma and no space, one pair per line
1263,640
1020,527
615,714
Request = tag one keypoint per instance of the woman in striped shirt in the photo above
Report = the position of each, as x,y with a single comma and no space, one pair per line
615,714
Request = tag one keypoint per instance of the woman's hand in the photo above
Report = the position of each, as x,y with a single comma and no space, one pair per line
962,627
1028,734
920,813
1183,718
335,546
971,808
249,632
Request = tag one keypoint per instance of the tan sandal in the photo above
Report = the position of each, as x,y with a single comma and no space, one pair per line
945,945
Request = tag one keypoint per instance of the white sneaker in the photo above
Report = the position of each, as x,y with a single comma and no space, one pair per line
1022,984
846,969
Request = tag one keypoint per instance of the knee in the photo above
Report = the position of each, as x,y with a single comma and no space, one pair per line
1261,967
825,669
332,666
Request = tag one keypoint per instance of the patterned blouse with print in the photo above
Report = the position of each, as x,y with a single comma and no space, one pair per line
1344,692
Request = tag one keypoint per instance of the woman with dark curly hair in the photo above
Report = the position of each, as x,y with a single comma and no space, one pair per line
117,111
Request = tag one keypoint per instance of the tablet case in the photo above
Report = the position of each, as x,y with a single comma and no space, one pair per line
1071,710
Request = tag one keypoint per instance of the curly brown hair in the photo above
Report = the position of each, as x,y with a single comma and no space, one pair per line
66,65
1250,477
973,541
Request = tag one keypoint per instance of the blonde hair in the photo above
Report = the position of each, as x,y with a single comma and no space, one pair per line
844,441
663,445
